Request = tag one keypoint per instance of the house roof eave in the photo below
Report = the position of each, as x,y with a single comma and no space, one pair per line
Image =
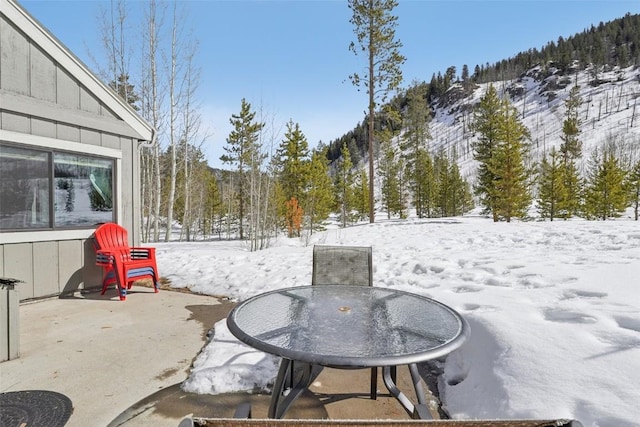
67,60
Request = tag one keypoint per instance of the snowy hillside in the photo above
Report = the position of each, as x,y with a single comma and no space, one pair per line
608,111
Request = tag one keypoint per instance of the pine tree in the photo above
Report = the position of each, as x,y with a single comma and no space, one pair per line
605,193
241,149
573,190
633,185
551,190
212,205
292,157
465,76
320,192
486,118
426,185
389,169
375,28
361,195
571,147
444,195
344,186
510,190
571,152
126,90
414,143
461,198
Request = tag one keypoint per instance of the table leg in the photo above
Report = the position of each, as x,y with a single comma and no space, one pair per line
417,383
389,378
281,403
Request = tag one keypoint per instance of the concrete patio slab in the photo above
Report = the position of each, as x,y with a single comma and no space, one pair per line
121,363
105,354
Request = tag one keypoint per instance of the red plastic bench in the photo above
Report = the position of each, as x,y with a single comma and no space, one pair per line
123,264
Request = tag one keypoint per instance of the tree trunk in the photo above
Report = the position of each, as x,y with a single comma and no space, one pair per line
372,106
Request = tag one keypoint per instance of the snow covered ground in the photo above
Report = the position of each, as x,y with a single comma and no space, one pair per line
554,308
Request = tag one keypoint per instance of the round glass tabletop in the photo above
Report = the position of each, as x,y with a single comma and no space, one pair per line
339,325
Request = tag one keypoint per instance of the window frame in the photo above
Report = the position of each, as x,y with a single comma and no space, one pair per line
51,146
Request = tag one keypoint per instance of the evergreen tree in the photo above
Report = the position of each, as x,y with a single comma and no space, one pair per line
444,194
633,185
571,147
413,143
375,30
477,73
510,190
213,208
465,76
426,185
320,192
605,192
126,90
486,118
241,150
292,157
461,198
361,195
389,168
571,151
449,77
344,186
551,190
573,190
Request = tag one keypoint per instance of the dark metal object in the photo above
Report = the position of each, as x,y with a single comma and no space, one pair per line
34,408
346,327
9,283
10,322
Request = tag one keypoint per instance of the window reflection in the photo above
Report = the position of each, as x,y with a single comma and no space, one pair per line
24,188
82,190
33,183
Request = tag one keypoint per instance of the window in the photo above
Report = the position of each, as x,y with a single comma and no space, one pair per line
53,190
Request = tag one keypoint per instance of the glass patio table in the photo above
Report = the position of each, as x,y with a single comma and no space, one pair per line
345,327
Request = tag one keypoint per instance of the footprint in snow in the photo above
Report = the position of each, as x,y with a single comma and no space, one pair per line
630,323
567,316
420,269
479,308
465,289
436,269
532,282
578,293
495,281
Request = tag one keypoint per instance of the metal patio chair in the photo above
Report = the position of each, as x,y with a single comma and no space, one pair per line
342,265
345,265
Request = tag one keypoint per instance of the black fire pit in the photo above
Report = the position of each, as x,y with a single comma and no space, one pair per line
34,408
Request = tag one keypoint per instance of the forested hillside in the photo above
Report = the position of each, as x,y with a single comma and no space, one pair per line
596,50
580,91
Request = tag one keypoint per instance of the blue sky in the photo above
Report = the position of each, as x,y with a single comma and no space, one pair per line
290,59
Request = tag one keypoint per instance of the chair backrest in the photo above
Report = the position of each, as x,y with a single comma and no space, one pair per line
342,265
111,235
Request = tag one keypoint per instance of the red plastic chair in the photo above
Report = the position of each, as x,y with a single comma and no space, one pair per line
123,264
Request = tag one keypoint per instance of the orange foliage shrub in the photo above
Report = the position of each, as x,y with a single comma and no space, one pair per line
293,218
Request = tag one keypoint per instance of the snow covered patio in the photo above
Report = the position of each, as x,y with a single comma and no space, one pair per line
553,309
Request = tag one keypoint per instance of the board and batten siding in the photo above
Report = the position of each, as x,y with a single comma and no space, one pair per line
42,104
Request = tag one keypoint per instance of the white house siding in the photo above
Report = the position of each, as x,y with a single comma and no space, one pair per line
44,104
